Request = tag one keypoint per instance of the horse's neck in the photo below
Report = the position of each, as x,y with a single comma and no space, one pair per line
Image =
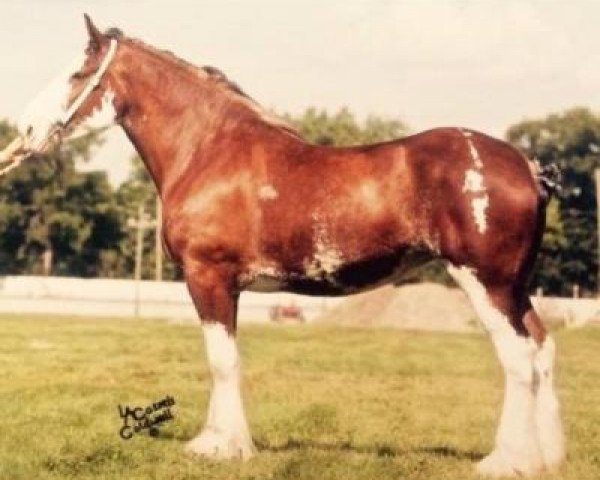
170,126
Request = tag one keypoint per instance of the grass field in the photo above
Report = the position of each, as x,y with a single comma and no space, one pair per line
322,403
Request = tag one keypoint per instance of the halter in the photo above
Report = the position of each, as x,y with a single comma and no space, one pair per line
18,142
92,84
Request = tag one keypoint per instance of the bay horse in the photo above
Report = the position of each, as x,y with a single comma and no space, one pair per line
249,205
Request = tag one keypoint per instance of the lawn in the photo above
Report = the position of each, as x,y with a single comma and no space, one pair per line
322,402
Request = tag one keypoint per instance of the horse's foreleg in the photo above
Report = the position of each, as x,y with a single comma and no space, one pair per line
226,433
517,450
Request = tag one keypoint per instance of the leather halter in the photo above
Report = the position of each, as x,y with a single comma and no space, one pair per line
92,84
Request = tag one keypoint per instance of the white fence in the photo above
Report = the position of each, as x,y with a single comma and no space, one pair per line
125,298
571,311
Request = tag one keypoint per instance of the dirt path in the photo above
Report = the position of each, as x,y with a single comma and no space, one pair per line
423,306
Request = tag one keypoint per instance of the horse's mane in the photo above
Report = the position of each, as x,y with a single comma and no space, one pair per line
213,74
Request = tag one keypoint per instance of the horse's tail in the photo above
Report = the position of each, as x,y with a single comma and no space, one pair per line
549,179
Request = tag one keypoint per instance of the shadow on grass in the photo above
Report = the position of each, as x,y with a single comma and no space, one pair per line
170,436
380,450
446,451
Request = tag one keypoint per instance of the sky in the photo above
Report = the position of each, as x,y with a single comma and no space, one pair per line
482,64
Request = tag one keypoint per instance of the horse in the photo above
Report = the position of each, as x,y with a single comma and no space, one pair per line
249,205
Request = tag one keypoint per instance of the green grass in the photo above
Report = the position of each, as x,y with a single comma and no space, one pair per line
322,403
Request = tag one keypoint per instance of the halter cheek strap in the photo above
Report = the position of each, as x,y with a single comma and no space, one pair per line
93,83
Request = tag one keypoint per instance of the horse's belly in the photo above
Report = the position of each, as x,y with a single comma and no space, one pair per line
344,279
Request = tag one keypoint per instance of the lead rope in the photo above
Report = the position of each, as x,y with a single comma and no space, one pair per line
18,143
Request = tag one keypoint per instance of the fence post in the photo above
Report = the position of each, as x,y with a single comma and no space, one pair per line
597,177
158,253
140,224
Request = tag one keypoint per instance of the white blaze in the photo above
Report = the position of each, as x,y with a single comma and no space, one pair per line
48,107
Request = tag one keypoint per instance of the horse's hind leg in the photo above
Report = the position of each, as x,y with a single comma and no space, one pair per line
529,435
547,411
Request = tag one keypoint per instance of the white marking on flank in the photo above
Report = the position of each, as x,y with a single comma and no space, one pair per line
474,185
474,153
473,181
327,258
480,205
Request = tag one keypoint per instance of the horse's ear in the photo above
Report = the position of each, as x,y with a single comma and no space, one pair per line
94,34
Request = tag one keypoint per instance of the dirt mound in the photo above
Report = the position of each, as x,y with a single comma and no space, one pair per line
423,306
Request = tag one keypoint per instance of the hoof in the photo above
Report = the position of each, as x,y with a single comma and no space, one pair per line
554,456
220,445
497,464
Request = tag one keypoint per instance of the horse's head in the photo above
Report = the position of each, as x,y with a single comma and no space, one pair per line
69,100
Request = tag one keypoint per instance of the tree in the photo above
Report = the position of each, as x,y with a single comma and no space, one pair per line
54,218
138,190
571,140
341,128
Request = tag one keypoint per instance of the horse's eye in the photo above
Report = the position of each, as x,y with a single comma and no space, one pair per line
78,76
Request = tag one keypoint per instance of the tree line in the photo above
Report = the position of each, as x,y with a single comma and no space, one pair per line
55,219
